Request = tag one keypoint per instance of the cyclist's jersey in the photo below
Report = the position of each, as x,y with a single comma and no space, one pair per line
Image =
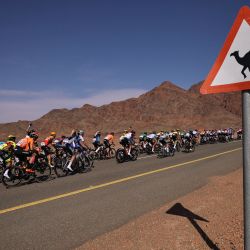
182,134
128,136
109,138
142,137
187,135
48,141
96,139
4,147
26,143
151,136
163,137
195,133
5,153
76,141
126,139
174,136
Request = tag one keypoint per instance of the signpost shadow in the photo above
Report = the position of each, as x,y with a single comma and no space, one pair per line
179,210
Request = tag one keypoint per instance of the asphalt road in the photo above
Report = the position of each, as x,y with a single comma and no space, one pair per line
63,213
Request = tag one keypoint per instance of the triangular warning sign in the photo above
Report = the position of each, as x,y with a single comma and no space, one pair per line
231,70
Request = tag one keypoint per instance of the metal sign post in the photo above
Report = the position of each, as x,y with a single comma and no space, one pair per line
246,165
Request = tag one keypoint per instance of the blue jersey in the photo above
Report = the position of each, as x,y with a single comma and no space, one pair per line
97,139
74,142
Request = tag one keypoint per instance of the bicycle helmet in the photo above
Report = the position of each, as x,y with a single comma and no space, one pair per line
30,132
11,138
81,132
34,135
53,133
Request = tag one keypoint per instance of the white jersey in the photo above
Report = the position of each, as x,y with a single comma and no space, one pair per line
163,137
151,136
128,136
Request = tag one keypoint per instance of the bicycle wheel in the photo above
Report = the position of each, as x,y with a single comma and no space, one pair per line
84,164
120,155
149,149
171,152
60,166
93,155
112,152
1,171
178,147
134,154
42,171
157,148
161,153
15,176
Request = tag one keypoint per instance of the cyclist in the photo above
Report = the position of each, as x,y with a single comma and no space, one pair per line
97,140
130,136
76,142
47,146
188,137
6,153
108,141
127,141
25,148
239,133
163,138
174,136
151,139
143,139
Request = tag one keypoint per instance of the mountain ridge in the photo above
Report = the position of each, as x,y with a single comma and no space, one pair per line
167,106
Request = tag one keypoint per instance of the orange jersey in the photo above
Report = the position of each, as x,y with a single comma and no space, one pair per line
26,143
110,138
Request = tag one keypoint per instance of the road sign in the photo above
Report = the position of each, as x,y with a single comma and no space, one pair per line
231,70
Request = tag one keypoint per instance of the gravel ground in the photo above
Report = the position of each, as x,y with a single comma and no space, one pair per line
209,218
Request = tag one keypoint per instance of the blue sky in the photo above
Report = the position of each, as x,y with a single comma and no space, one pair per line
63,54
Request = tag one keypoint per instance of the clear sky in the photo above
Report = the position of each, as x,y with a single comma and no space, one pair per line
63,54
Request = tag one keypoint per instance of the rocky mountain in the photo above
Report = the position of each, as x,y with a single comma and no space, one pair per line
165,107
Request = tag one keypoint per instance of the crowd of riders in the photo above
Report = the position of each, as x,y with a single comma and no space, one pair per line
68,151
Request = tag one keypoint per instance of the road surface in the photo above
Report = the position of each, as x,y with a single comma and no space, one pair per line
63,213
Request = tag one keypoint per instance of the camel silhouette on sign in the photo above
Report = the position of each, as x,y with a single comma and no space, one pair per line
245,61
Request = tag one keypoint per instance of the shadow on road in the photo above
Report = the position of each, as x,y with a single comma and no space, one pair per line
32,181
179,210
